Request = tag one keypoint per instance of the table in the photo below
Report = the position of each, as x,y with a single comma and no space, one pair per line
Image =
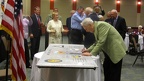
66,56
64,74
140,41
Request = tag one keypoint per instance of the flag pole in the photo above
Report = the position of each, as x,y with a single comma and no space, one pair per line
7,56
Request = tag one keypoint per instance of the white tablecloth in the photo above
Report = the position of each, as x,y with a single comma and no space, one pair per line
64,74
140,41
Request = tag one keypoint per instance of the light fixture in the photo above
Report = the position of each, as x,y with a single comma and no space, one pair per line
74,4
51,4
118,5
139,2
96,1
118,2
74,0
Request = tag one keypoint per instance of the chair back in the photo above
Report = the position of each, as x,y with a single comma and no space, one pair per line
135,36
133,44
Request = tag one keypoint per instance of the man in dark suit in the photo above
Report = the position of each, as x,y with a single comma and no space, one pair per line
35,31
89,37
68,25
119,23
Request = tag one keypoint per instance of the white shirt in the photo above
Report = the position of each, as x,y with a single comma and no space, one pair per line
25,27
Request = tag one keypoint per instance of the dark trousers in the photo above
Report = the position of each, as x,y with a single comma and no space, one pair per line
112,72
35,42
26,53
76,36
69,38
46,39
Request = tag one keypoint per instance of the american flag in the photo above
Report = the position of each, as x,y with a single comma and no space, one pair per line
12,24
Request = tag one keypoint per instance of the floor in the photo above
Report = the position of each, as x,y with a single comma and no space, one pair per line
129,73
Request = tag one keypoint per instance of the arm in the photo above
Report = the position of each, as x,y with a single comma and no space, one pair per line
63,30
30,28
78,18
30,21
49,27
102,36
102,11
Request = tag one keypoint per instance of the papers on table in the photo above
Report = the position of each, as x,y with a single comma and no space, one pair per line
65,56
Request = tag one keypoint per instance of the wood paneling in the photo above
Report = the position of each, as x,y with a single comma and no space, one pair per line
34,3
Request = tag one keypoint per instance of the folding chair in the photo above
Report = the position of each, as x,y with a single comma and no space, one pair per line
138,52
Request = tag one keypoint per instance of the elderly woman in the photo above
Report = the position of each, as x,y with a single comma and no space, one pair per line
55,29
140,29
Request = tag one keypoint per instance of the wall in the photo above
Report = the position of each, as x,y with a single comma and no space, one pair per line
128,9
129,12
26,7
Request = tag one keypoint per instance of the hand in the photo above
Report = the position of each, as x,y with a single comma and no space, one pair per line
83,14
31,36
65,30
42,24
84,50
53,31
28,17
86,54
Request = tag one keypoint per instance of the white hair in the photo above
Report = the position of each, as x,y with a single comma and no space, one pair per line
72,11
114,10
100,16
140,26
86,22
89,9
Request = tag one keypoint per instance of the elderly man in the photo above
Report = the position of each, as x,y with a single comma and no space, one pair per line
119,23
109,41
